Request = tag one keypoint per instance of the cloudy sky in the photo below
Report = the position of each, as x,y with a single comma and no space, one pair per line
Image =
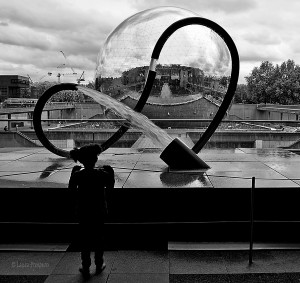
33,32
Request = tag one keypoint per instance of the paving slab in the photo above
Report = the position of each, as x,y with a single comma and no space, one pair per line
23,278
271,154
148,179
156,266
14,155
203,278
146,262
71,261
76,278
141,278
197,262
143,168
28,263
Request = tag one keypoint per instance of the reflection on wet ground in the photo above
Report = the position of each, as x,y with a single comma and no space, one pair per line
180,179
27,167
50,169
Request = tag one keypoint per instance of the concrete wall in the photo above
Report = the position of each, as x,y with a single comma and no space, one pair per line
201,108
13,139
221,139
81,111
250,112
230,139
244,111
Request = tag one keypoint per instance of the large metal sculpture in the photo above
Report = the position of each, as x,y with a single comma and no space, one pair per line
177,155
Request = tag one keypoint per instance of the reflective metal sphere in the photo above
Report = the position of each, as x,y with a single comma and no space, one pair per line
194,62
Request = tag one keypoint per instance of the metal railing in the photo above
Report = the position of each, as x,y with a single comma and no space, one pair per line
153,120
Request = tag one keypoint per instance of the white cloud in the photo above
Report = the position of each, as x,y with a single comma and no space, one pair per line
227,6
24,36
32,32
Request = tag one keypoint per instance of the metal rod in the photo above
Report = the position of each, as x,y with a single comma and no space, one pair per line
251,220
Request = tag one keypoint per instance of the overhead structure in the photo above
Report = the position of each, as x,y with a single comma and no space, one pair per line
81,78
65,65
48,74
68,64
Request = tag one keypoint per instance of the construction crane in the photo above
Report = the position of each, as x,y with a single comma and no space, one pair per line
81,78
64,66
68,62
48,74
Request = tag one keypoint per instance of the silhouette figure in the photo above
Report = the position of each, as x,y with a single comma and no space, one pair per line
90,184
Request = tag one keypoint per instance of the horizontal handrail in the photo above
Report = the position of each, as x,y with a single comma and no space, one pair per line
297,222
153,120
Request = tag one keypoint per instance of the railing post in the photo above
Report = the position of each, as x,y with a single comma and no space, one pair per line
9,122
251,220
48,117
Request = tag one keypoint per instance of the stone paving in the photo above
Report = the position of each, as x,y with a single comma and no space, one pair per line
138,168
154,266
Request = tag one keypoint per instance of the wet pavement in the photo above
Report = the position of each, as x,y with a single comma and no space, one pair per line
219,265
135,168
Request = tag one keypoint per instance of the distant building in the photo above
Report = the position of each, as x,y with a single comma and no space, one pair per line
181,80
178,91
13,86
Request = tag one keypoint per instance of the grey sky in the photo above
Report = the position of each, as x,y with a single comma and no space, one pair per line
32,32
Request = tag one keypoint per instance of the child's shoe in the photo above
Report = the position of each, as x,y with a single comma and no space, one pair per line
100,268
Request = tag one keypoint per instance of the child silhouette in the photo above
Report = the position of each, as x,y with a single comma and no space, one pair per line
90,184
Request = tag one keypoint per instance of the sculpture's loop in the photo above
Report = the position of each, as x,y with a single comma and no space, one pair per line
37,115
234,70
148,86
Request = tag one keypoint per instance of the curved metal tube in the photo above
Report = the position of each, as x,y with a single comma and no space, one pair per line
234,70
37,114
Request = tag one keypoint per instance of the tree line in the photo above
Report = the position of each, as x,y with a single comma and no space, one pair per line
269,83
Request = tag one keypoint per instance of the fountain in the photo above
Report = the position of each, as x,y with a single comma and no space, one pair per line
135,119
176,154
165,92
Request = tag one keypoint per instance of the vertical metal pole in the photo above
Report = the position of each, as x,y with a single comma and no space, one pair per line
251,219
48,117
9,122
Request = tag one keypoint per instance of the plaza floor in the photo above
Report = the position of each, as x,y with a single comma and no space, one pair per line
38,264
213,262
138,168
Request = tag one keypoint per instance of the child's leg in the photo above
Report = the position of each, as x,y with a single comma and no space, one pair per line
99,245
99,261
99,257
86,259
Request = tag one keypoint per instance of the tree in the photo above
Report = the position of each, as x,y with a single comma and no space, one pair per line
41,87
241,94
91,84
259,83
275,84
286,86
